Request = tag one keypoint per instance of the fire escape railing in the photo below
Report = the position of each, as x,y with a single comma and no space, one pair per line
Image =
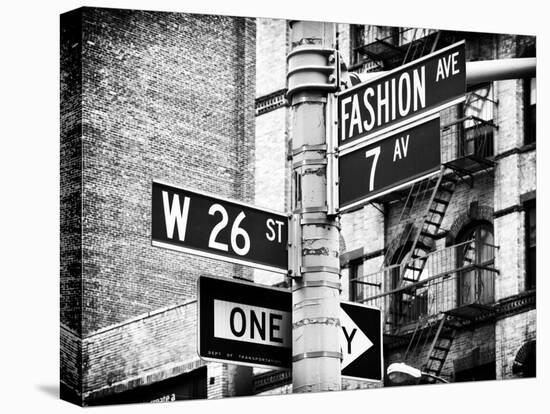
390,51
457,276
471,136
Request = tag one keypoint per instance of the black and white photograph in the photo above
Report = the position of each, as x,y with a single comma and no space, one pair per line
287,206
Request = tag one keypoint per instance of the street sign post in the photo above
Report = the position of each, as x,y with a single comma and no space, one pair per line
243,323
247,324
419,88
214,227
361,342
389,161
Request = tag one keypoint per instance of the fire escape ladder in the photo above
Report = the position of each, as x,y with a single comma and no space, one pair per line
421,329
440,347
417,329
428,228
411,49
407,221
435,42
421,47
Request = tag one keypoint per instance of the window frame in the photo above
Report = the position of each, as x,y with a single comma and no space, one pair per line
475,277
353,272
356,31
530,250
530,112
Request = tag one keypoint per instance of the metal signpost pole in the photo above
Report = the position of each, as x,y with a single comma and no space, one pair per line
312,76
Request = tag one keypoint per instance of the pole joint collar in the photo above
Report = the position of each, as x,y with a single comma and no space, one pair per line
316,354
320,221
309,99
306,148
317,209
318,283
313,269
304,163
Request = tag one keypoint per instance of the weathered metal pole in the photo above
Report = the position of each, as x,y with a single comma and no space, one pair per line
315,248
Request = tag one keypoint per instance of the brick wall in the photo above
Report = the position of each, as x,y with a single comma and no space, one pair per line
271,50
70,361
511,333
365,224
369,230
217,380
513,175
469,348
344,42
272,170
70,169
144,96
141,351
70,205
159,102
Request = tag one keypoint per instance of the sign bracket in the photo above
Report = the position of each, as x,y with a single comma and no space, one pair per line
331,128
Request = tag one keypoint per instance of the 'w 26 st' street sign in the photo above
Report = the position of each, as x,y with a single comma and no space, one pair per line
209,226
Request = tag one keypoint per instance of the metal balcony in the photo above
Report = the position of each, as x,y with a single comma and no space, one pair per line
469,143
458,280
401,46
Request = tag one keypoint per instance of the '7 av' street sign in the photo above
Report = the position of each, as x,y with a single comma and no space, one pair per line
247,324
211,226
418,88
389,161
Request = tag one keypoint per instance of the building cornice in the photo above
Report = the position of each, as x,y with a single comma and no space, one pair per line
270,102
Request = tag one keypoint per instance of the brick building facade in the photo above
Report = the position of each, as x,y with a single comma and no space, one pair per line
199,101
488,147
144,96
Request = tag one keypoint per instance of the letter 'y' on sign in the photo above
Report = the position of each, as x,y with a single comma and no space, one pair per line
353,341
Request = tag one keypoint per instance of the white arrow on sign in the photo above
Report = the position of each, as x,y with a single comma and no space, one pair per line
353,340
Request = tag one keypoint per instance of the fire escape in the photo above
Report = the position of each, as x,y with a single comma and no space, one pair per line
427,294
400,47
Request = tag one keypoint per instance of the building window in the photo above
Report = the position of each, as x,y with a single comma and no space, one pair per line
406,305
188,386
478,111
357,288
531,244
530,88
357,36
525,364
476,253
482,372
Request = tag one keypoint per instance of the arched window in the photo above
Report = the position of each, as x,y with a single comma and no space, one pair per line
525,364
475,255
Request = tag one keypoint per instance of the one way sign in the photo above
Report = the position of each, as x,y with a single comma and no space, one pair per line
249,324
361,341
